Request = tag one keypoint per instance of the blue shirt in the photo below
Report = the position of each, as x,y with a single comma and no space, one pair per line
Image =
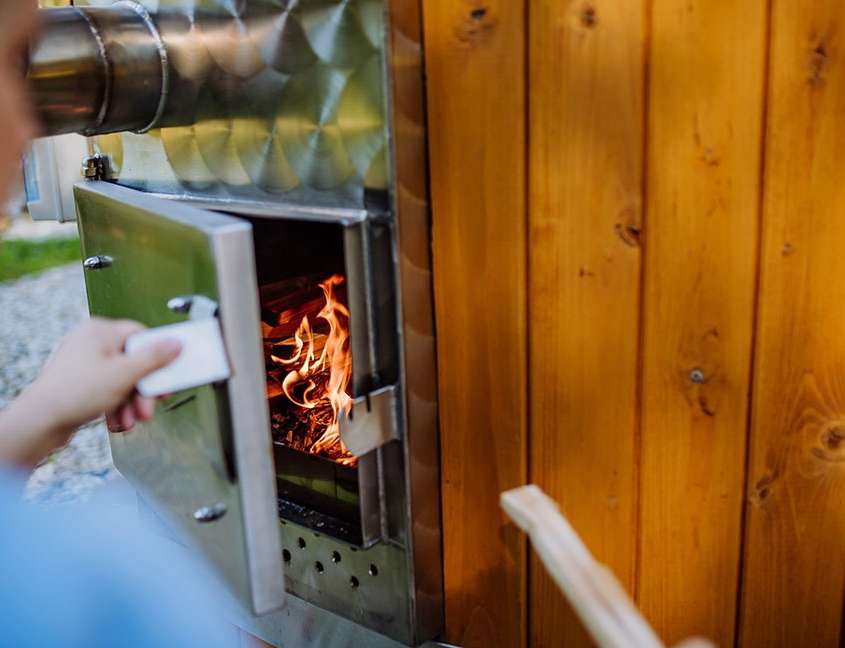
71,577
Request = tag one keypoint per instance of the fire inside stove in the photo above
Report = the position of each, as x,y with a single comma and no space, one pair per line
304,295
309,364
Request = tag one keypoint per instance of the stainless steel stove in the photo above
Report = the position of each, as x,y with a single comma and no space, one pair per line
263,162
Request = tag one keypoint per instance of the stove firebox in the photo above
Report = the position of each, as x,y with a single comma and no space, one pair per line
321,352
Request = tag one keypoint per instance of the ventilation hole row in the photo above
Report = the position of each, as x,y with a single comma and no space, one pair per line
336,558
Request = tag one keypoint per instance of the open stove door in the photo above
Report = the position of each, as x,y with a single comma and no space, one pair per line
205,461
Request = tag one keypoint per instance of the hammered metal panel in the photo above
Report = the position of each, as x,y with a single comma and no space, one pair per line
269,101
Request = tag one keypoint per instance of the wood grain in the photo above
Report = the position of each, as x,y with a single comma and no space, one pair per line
475,62
704,141
794,561
586,165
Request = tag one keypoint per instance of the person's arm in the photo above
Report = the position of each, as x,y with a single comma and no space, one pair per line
28,431
87,376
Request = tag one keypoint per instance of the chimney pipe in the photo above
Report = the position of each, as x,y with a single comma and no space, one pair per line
97,70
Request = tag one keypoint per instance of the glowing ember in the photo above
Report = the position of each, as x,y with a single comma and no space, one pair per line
315,371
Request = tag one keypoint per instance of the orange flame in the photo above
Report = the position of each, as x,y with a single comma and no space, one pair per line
306,386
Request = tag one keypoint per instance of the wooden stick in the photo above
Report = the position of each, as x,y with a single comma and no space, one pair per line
593,591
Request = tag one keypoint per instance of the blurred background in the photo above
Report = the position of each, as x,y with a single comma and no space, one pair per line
42,296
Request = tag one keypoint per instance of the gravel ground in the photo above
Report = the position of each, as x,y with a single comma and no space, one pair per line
35,312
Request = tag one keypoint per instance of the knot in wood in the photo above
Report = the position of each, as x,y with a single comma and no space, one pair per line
831,446
588,16
818,64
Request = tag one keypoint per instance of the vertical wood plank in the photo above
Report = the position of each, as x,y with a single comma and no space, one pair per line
475,63
794,558
705,123
586,150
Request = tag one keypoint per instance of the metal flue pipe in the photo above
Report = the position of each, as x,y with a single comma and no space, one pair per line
98,70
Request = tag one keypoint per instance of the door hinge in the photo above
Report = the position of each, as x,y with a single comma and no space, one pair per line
96,167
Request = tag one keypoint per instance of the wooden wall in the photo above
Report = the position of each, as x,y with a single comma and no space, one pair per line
477,149
638,224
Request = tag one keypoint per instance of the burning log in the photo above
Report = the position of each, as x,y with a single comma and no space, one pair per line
309,365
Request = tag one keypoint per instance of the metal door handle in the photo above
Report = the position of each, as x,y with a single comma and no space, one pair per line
180,305
97,262
195,306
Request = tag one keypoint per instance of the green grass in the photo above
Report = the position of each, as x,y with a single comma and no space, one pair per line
21,257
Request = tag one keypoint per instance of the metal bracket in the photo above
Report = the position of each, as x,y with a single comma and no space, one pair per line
371,423
96,167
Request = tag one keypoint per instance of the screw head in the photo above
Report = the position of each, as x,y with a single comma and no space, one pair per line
97,262
211,513
697,376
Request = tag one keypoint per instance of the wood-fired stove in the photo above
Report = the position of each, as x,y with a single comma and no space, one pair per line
262,162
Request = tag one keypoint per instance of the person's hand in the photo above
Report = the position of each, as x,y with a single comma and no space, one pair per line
88,375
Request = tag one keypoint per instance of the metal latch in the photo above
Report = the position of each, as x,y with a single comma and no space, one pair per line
371,423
